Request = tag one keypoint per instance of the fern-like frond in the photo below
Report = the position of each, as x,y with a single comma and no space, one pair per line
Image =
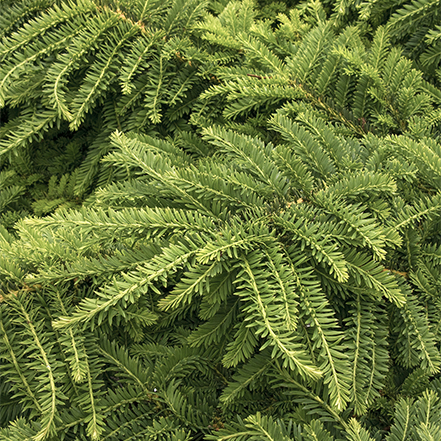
410,15
305,146
415,337
369,354
255,289
80,46
252,154
100,74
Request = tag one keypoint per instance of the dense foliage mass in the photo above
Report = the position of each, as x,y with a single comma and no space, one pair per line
220,220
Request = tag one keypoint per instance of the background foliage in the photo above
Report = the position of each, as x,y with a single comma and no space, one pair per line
220,220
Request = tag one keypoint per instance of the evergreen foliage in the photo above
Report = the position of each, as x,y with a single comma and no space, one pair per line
220,220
